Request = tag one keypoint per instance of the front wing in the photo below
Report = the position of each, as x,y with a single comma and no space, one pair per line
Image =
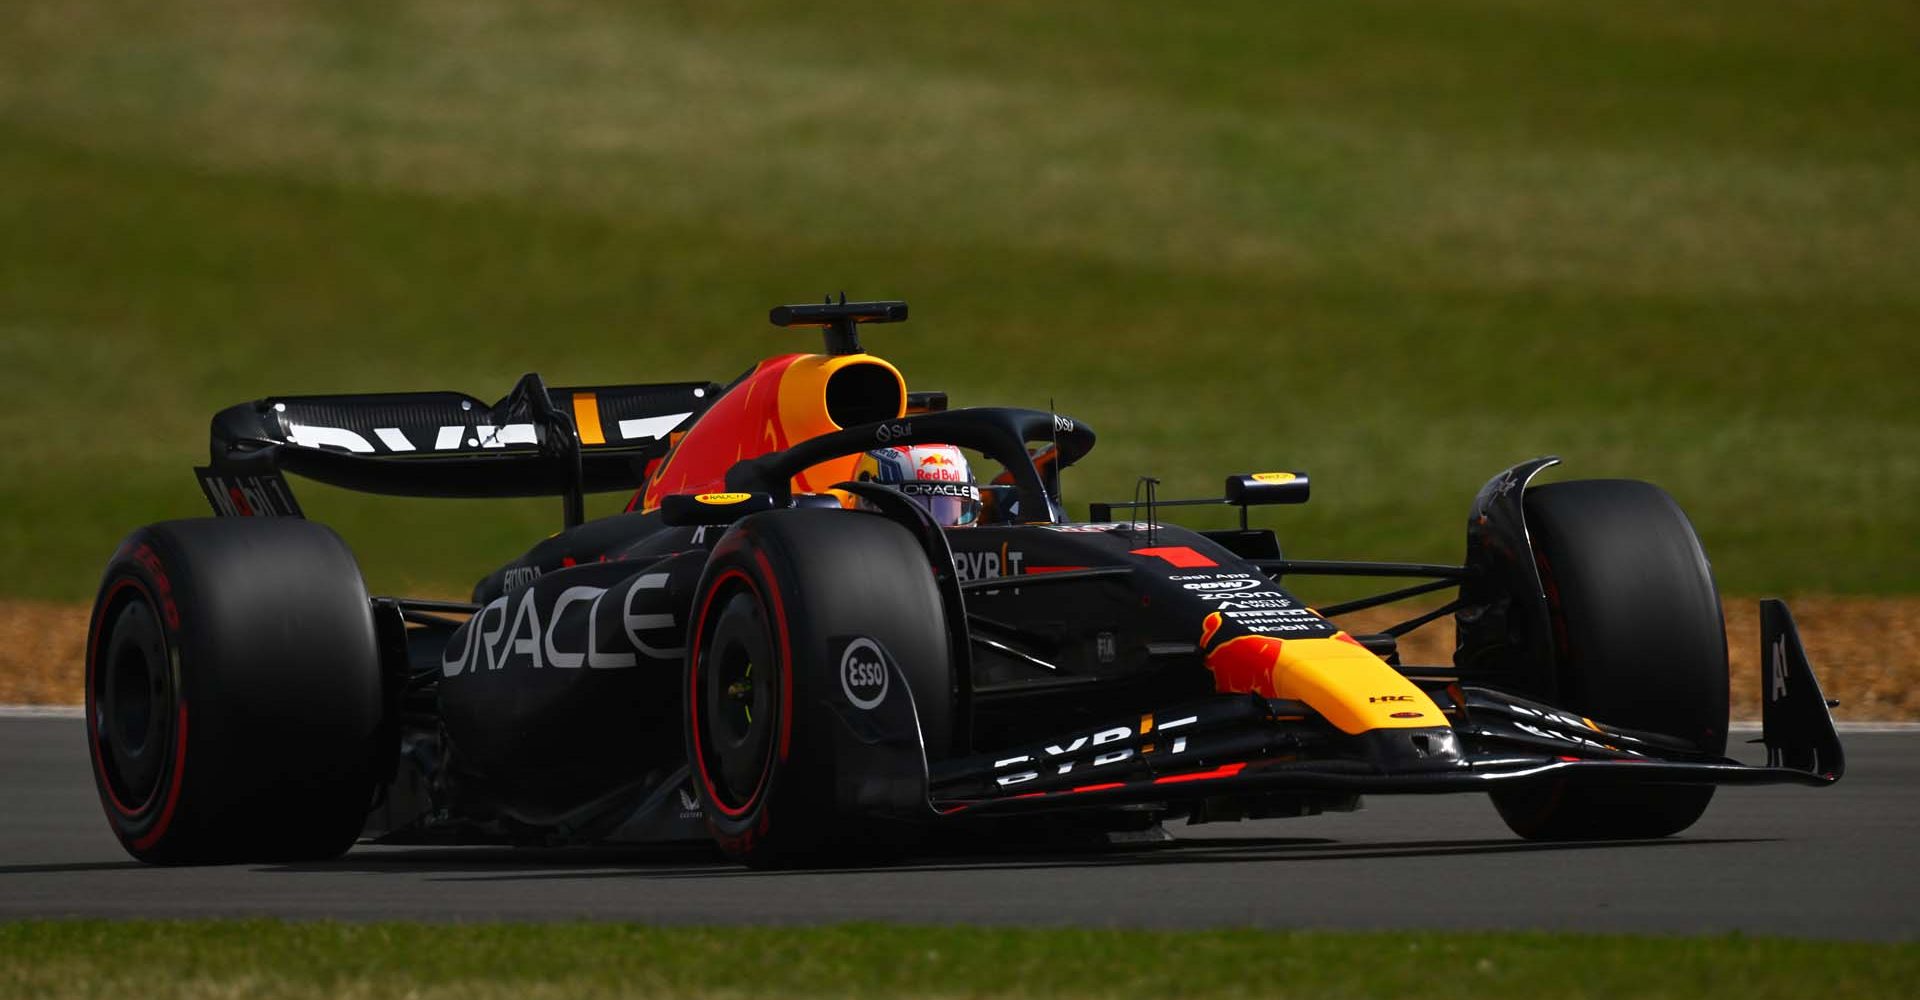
1248,746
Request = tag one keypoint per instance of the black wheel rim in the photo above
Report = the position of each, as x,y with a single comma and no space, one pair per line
133,703
739,692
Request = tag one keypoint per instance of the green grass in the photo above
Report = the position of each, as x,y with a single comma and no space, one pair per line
475,962
1400,245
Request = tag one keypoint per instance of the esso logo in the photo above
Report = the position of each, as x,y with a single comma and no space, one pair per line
1219,585
863,674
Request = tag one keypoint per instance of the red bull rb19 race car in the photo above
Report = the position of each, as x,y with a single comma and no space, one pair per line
814,631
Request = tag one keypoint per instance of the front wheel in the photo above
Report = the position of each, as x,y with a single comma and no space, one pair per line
1638,642
795,622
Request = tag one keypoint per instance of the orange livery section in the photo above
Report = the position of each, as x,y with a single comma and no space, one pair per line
781,402
1336,677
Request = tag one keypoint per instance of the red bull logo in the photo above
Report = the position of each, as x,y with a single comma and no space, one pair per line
941,464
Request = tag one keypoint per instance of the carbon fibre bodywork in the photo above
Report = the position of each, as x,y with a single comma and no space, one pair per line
1094,683
1113,670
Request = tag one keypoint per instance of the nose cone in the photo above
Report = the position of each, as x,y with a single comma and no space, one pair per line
1337,677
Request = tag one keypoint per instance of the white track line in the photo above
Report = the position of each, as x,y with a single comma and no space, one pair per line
41,712
1845,727
75,712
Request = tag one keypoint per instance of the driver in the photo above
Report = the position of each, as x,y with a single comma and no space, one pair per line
935,476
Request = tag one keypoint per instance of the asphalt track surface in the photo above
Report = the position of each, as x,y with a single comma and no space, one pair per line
1839,862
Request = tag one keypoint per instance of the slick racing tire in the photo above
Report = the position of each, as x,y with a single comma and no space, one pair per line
786,622
1639,643
233,692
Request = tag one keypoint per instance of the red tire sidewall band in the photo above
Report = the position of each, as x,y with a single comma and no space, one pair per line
129,820
761,591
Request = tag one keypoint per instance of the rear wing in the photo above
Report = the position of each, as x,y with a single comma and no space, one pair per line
536,441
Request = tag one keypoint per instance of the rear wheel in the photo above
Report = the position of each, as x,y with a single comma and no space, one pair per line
233,692
789,619
1639,643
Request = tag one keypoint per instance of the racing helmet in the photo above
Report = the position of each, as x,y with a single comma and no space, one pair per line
935,476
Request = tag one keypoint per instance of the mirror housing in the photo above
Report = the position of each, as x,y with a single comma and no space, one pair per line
1259,489
683,510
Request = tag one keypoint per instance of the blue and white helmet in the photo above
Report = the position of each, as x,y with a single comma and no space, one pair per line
935,476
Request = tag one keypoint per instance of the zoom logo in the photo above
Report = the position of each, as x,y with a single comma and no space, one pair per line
863,673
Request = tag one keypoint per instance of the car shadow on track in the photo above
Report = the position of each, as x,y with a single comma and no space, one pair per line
1210,852
559,862
75,866
513,865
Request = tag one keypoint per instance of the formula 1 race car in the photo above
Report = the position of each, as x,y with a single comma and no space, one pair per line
774,651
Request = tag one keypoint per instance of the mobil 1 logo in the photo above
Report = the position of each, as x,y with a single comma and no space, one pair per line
1222,586
863,671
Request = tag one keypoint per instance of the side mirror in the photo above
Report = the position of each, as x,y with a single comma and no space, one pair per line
687,509
1259,489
